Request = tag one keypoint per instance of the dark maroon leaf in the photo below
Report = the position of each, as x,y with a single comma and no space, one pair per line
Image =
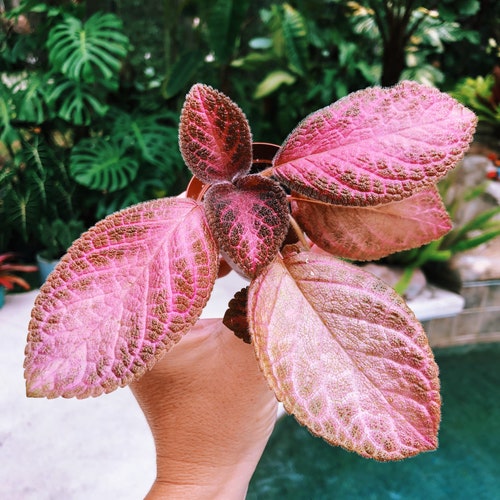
249,219
214,136
235,317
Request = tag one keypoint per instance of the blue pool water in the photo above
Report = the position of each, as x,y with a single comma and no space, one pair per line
296,465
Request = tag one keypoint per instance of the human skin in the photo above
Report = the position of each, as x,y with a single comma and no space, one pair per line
211,413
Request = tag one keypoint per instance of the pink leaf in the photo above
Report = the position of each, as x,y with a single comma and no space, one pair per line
249,219
124,294
345,355
370,233
376,145
214,135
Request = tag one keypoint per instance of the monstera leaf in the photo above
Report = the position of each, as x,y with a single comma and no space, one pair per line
155,137
101,164
31,97
89,51
76,102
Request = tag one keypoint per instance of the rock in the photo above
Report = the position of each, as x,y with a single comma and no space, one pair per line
481,263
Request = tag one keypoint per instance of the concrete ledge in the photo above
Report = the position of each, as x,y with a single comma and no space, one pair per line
435,302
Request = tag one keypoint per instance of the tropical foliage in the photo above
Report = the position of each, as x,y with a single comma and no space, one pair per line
74,145
98,86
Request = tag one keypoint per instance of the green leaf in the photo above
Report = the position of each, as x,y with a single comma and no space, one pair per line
155,137
295,36
157,142
272,82
7,111
181,73
89,52
34,6
224,21
253,60
103,165
31,97
22,204
57,235
76,102
475,241
478,222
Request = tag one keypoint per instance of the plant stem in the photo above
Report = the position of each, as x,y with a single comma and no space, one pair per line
300,234
402,285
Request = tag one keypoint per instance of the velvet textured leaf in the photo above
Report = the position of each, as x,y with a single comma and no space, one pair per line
345,355
376,146
214,136
370,233
249,219
235,317
125,293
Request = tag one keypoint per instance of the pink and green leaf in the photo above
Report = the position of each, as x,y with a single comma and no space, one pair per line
125,293
345,355
370,233
249,220
376,146
214,136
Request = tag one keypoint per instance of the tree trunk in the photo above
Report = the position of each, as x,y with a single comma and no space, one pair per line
393,59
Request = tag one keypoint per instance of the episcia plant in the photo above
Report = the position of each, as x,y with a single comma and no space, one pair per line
340,348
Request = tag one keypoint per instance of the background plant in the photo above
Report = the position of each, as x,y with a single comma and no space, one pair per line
267,55
482,94
75,145
118,99
9,272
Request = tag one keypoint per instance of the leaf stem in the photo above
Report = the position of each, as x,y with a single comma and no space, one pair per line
308,200
300,234
268,172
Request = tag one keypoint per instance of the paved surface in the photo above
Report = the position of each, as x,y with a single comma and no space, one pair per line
64,448
67,449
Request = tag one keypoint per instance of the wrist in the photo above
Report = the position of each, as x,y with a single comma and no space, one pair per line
203,483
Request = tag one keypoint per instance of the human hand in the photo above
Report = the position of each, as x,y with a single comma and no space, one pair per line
210,412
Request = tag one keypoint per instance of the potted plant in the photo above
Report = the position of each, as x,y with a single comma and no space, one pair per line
8,278
336,345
